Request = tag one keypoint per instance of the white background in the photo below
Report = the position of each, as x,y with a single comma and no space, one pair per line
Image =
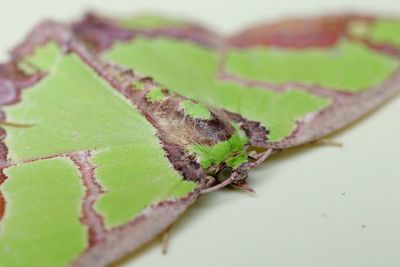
315,206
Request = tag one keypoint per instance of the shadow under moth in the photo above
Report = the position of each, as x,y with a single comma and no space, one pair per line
112,127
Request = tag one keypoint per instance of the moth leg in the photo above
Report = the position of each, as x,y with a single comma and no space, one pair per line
261,157
165,239
246,187
210,181
328,142
253,155
220,185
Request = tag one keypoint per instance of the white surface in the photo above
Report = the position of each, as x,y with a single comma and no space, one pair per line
316,206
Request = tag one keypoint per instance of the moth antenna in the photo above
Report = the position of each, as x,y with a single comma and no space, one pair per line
262,158
246,187
210,182
220,185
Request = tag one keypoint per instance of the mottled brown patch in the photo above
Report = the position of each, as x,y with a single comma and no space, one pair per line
12,81
99,33
2,205
184,162
257,134
3,158
296,33
184,130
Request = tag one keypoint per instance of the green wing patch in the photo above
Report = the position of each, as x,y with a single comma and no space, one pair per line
381,31
135,175
155,95
196,110
41,226
386,31
348,66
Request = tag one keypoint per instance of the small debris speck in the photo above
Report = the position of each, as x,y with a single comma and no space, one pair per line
326,216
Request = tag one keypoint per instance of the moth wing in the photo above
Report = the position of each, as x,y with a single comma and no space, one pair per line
84,178
300,79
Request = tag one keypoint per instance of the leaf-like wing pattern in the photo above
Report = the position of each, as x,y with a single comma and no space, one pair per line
103,154
86,155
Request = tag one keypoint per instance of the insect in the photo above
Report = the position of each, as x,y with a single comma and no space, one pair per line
119,125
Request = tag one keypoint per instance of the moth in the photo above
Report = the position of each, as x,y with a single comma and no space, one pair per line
112,127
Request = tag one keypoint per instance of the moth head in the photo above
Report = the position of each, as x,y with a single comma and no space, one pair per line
233,170
236,178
